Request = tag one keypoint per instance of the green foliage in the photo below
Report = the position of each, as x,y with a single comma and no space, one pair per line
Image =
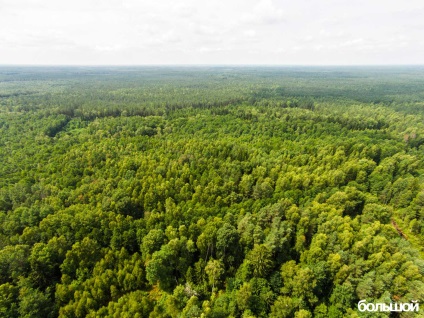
209,192
261,259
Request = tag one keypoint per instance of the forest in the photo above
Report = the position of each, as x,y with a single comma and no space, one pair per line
211,191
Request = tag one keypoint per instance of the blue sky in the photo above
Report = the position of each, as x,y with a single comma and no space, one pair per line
324,32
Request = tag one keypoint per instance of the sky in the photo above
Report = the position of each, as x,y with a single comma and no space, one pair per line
269,32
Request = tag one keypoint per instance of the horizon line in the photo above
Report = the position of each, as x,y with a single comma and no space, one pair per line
210,65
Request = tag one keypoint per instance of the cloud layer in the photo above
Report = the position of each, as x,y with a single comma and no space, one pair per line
207,32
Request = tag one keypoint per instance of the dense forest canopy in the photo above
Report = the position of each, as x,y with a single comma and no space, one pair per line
210,191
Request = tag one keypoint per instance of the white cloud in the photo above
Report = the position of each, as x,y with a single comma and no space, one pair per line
264,12
200,31
250,34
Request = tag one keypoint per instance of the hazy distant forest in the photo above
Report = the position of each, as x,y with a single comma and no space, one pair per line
210,191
